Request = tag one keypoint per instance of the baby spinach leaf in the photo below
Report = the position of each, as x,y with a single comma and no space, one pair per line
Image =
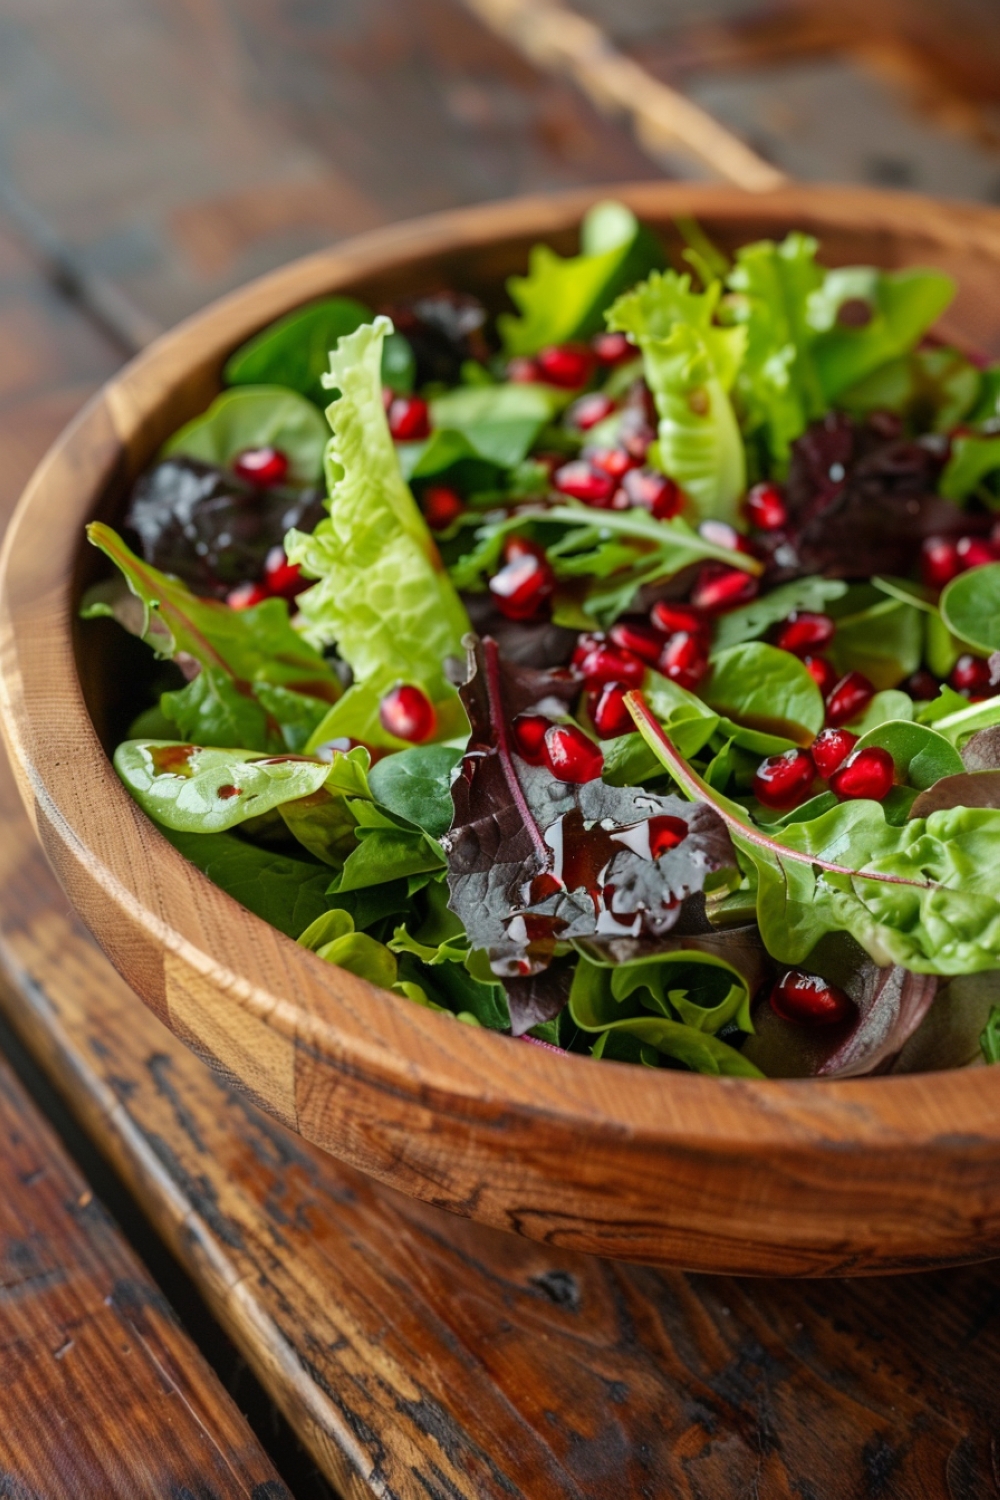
202,790
385,853
416,785
288,893
382,594
691,723
921,755
562,299
891,704
884,641
972,460
295,350
766,689
753,620
970,607
256,416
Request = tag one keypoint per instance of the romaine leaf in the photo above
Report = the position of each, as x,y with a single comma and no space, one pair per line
562,299
690,367
256,416
383,596
863,317
295,350
198,790
288,893
764,688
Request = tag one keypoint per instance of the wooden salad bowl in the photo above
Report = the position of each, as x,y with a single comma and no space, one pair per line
732,1175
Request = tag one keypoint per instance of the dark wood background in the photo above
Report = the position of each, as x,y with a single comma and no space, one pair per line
168,149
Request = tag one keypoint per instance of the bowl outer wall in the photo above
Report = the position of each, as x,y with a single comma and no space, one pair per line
732,1175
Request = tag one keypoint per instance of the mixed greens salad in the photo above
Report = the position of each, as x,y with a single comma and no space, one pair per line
620,672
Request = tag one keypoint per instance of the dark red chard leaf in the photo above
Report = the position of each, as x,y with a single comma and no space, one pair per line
860,503
538,997
891,1003
533,861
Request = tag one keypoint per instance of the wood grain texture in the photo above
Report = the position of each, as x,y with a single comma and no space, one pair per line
104,1396
784,1177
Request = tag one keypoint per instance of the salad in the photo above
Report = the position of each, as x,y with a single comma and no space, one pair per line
621,673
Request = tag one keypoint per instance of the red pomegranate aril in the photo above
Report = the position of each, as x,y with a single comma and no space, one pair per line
665,833
608,712
764,507
282,577
409,419
582,481
612,348
523,371
720,588
647,490
636,434
529,732
522,546
804,632
975,551
246,595
613,461
721,534
810,1000
783,781
922,686
642,640
684,660
971,675
822,672
849,698
565,365
606,664
441,506
830,749
587,641
571,755
264,466
589,410
523,587
670,617
867,773
408,713
939,561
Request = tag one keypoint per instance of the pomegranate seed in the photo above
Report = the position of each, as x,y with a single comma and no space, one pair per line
523,371
522,546
612,348
923,686
282,577
783,781
971,675
605,664
665,833
804,632
867,773
581,481
822,672
608,712
974,551
939,561
721,534
589,410
409,420
566,365
613,461
850,697
408,713
571,755
635,434
523,587
641,640
646,489
265,466
529,736
764,507
246,595
720,588
441,506
670,617
830,749
684,660
810,1000
587,642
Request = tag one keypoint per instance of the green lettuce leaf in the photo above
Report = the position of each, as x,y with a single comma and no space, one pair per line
499,422
256,416
294,351
932,389
897,308
382,596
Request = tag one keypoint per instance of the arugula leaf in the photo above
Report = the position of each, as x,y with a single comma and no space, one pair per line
256,416
767,689
563,299
690,367
753,620
382,596
970,607
294,351
989,1042
416,785
288,893
896,309
199,790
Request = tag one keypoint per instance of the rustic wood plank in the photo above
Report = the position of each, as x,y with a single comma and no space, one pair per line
104,1395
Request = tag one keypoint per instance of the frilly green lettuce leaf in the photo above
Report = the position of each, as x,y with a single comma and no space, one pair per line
256,416
382,595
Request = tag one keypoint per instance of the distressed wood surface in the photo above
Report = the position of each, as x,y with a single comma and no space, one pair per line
103,1396
738,1175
